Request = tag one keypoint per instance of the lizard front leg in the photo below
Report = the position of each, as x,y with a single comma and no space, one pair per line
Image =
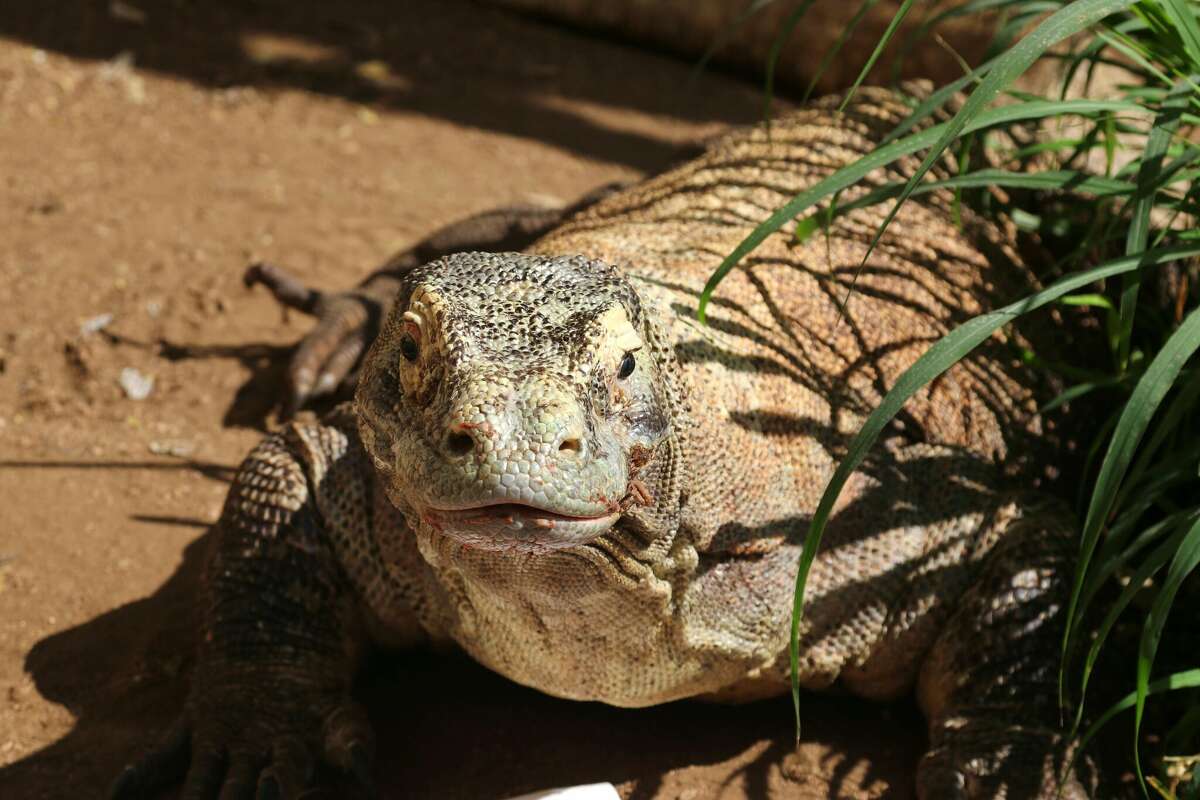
987,686
270,693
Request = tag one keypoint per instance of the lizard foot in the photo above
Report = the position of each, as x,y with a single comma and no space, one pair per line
325,359
984,760
251,747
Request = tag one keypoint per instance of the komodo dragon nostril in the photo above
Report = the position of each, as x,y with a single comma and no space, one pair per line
459,443
571,445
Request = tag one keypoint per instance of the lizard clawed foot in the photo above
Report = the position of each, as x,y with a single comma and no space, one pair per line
326,358
266,761
974,759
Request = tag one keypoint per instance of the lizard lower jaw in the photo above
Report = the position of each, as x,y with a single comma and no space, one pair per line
516,527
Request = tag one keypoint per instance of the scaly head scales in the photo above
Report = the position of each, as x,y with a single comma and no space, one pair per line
510,400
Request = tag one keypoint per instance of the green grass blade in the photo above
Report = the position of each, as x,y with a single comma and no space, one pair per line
936,360
1188,679
838,43
1152,564
1185,560
1064,180
1120,548
1110,143
1148,180
724,36
924,109
1010,29
892,27
1153,491
921,34
1183,15
781,38
1068,21
1181,408
1128,48
1037,148
1074,393
884,155
1149,392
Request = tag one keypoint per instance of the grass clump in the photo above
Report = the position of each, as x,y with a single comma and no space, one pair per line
1124,245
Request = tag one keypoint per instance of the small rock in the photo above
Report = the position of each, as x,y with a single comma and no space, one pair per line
119,70
119,66
381,75
95,324
126,12
172,447
135,385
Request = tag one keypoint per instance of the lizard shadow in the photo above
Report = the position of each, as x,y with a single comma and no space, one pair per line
256,402
447,727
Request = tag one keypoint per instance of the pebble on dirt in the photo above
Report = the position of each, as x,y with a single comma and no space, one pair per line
95,324
136,385
171,447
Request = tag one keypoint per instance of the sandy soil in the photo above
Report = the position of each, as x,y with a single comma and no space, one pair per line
148,151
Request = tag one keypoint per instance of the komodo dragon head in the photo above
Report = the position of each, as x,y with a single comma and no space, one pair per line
510,400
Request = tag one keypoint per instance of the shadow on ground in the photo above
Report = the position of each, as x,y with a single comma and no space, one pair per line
447,727
462,62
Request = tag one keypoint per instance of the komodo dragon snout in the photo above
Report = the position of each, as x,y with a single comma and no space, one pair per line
509,408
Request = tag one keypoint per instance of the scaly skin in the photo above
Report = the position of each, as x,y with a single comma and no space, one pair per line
550,463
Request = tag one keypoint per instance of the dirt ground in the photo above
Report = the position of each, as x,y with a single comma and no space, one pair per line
148,151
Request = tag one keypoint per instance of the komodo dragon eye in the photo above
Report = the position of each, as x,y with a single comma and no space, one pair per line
626,367
408,347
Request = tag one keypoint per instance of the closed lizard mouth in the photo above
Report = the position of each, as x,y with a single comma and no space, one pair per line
517,526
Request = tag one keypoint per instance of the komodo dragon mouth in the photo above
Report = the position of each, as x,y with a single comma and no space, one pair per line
516,526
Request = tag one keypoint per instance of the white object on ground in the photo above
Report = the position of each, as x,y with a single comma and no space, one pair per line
172,447
95,324
590,791
136,385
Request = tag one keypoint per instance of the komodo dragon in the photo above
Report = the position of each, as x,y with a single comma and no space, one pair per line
552,464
